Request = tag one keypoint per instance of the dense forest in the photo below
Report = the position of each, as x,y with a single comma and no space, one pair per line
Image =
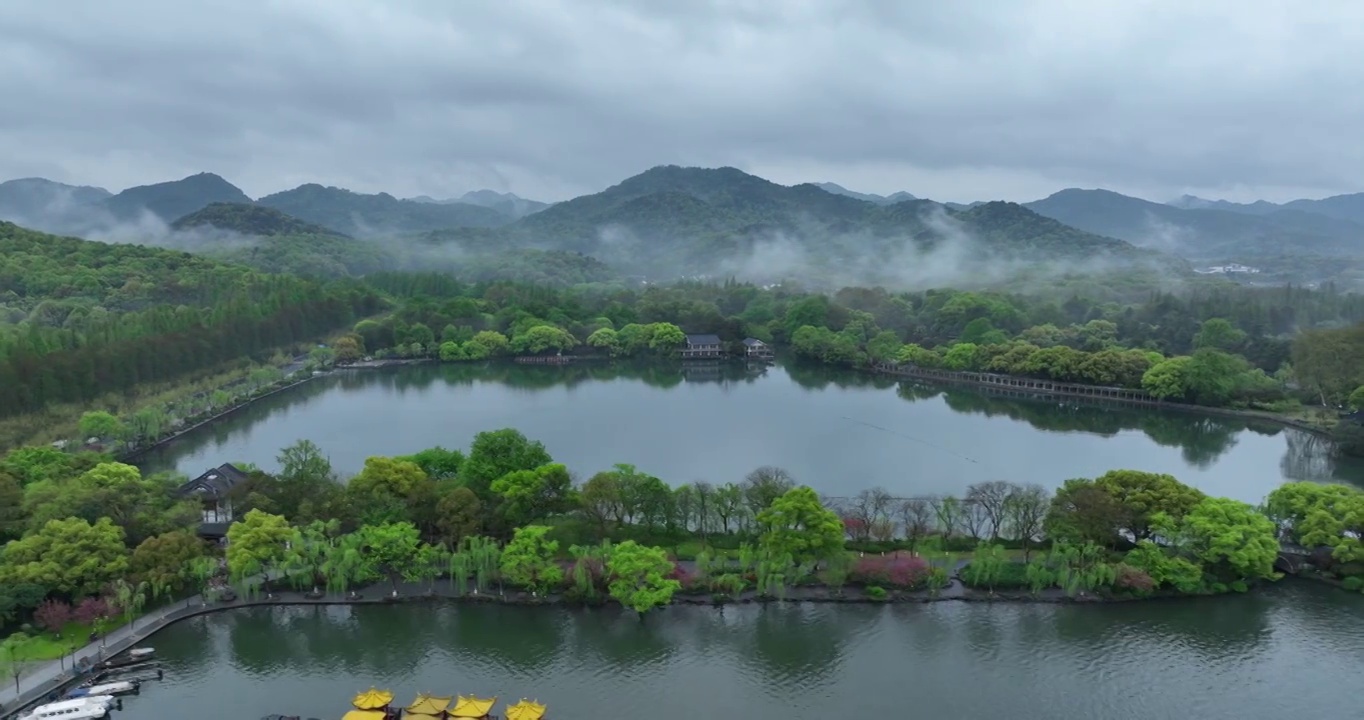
1229,346
86,318
83,319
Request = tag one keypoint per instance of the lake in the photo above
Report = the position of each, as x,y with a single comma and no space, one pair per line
838,431
1288,651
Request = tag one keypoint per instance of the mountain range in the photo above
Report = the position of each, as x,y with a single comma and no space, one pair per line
92,211
680,220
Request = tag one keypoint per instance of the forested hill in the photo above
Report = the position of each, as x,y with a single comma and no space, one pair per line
79,319
724,221
248,219
382,214
174,199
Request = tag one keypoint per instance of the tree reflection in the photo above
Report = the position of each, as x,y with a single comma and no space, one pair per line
518,640
794,645
621,639
1201,438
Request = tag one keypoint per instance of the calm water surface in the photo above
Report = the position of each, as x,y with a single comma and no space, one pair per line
1290,651
839,432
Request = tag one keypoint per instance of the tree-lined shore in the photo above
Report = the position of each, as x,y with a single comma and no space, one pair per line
94,542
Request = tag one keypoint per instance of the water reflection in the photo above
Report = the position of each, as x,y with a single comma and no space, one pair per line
1216,658
429,404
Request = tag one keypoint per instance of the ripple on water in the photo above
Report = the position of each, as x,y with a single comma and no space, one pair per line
1227,657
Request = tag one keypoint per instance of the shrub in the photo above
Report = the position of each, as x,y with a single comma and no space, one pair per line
91,609
899,570
1134,580
1353,583
877,593
683,576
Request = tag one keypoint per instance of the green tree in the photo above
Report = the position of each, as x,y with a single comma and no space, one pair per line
543,339
256,542
666,338
1219,334
1144,495
390,549
460,515
639,576
304,477
604,339
797,524
529,559
528,495
70,556
164,562
1230,538
102,425
498,452
1081,511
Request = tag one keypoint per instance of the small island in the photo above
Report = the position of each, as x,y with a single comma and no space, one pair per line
505,523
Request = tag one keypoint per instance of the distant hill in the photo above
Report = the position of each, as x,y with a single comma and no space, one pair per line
506,203
170,200
671,221
869,197
1342,207
50,206
249,219
359,214
1204,230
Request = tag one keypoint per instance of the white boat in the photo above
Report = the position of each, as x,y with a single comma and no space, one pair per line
86,708
121,687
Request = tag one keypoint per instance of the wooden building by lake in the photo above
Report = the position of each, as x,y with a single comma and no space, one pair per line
214,489
755,349
702,346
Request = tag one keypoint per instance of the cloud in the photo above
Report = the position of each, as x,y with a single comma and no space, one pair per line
550,98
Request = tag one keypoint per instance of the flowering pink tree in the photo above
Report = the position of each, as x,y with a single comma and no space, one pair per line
52,615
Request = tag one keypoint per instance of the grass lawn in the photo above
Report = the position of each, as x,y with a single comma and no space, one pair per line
46,645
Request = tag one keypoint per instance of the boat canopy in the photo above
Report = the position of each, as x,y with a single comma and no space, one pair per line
428,705
365,715
472,707
372,699
420,716
525,710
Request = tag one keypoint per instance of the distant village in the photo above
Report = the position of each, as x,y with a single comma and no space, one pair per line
1227,269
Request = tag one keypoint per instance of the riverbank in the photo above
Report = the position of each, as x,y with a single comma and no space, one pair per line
135,454
1015,386
42,681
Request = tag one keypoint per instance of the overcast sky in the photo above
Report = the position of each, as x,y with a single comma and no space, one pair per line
960,100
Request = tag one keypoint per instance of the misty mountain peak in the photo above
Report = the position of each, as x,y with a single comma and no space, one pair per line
176,198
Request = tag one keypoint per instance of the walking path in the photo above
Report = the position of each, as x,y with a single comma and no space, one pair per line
40,678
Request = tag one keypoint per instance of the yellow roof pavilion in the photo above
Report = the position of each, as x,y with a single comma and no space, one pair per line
372,699
364,715
472,707
525,710
428,705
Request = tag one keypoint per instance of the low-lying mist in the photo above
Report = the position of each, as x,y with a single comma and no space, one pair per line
944,253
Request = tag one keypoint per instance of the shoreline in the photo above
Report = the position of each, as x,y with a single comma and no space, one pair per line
134,455
55,677
952,377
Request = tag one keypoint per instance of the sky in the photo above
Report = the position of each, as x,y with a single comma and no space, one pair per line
955,101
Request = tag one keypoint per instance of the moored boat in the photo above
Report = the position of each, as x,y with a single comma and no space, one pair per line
122,687
86,708
472,708
525,710
372,705
132,657
427,707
